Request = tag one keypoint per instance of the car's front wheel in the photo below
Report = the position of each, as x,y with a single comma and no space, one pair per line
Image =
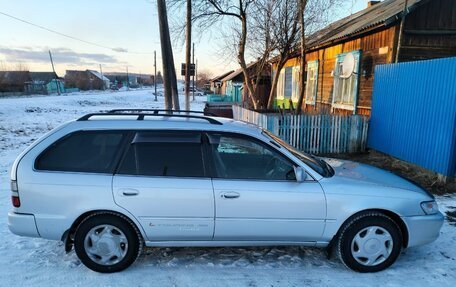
107,243
370,242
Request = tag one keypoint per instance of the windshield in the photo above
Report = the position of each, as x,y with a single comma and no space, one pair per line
313,162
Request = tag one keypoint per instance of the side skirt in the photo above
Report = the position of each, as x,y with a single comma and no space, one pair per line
231,243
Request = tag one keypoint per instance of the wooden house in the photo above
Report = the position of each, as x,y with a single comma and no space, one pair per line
13,81
341,58
216,83
86,80
233,85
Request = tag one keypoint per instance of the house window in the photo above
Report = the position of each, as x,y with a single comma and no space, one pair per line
312,82
279,88
346,89
288,82
296,83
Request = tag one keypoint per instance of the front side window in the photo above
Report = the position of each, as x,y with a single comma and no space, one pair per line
237,157
85,151
177,154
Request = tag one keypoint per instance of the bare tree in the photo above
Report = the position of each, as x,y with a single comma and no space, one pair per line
203,78
236,18
285,30
261,29
313,15
302,61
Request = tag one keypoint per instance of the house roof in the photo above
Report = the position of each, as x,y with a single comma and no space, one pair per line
99,75
220,77
45,77
380,14
14,77
237,72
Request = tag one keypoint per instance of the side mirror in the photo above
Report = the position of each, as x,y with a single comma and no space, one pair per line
300,173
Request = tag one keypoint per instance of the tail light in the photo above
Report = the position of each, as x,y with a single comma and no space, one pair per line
15,194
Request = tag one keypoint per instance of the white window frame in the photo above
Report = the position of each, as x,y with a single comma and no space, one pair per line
345,92
296,83
280,89
312,82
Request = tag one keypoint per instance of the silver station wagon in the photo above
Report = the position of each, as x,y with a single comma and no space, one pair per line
111,183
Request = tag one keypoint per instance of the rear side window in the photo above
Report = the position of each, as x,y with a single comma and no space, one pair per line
176,154
85,151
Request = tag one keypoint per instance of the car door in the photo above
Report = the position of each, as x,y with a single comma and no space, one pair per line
162,181
257,196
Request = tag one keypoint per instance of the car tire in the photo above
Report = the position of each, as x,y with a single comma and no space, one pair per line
369,242
107,242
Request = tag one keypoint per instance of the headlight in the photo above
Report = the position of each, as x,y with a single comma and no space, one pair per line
430,207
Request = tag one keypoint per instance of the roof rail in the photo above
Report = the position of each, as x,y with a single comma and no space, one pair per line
156,111
141,116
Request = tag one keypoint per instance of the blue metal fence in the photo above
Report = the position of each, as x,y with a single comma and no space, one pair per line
414,113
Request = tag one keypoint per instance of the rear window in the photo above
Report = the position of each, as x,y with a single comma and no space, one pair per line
164,154
85,151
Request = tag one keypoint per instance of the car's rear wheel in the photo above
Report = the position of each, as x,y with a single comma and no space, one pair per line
107,243
370,242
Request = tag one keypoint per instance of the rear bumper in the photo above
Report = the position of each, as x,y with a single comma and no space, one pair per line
22,224
423,229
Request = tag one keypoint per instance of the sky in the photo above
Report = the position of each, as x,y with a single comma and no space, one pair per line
121,34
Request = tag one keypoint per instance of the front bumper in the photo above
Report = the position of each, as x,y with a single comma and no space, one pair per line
423,229
22,224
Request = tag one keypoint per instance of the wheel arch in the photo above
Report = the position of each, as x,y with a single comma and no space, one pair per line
395,217
67,236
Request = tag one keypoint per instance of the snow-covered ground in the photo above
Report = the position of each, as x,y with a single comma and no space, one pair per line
36,262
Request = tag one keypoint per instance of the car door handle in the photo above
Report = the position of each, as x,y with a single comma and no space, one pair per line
230,195
128,191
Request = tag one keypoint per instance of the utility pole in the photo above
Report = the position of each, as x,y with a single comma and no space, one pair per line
169,71
56,78
155,74
188,41
102,79
194,73
195,80
128,81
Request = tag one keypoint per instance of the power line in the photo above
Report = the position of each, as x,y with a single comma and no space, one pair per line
118,50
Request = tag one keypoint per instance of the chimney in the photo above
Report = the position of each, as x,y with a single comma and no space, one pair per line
372,3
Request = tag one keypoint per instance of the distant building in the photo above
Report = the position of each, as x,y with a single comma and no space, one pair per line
233,84
44,83
13,81
216,83
30,82
86,80
104,79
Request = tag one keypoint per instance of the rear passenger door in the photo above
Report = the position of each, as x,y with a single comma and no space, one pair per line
162,180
